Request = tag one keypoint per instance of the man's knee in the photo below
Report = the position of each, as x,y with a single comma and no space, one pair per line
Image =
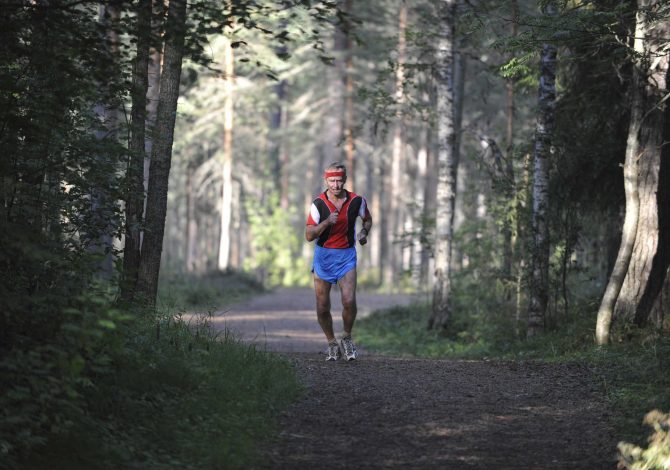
349,303
323,309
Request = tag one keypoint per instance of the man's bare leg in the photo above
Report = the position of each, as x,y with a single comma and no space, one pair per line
349,308
322,290
348,290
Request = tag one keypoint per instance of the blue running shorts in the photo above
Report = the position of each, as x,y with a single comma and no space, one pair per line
331,264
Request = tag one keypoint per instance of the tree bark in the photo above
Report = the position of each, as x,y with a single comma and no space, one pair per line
539,292
161,154
508,249
135,172
349,147
191,223
395,189
643,258
227,159
447,166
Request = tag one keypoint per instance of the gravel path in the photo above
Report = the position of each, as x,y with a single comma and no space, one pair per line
385,412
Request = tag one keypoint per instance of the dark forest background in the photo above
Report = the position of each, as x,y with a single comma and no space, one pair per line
160,157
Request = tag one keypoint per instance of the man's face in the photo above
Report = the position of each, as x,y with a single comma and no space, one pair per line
336,184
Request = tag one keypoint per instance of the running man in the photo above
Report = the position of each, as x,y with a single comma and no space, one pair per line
331,222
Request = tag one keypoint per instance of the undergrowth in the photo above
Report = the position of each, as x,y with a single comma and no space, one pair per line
171,393
633,373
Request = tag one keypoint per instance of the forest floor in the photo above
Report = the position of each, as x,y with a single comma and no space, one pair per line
388,412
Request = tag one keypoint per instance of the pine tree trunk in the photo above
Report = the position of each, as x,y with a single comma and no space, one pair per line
539,293
135,172
227,159
161,154
660,313
651,251
154,77
447,166
643,256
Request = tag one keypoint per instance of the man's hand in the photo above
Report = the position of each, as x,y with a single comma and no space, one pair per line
363,237
332,218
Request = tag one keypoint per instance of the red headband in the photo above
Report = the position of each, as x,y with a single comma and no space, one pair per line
331,174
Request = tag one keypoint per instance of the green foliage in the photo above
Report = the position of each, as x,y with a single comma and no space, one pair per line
175,396
402,331
277,246
657,454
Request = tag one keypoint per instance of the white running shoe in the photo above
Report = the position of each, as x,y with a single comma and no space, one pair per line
349,349
333,352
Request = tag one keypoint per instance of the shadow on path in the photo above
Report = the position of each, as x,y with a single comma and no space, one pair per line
285,320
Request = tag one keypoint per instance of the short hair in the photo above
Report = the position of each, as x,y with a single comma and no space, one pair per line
337,166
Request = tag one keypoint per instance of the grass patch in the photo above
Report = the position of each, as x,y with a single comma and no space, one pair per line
634,374
205,292
172,396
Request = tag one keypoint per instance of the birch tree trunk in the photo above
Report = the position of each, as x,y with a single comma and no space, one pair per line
419,192
429,204
349,148
101,241
539,292
395,191
643,258
135,172
227,159
447,166
161,155
508,249
191,223
334,118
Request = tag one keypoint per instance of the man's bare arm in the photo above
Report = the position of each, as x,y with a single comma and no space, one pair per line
365,230
312,232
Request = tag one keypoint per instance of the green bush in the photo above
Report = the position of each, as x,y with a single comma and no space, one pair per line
657,453
177,396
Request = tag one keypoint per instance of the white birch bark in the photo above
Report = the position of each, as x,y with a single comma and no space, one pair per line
447,166
397,156
227,159
539,293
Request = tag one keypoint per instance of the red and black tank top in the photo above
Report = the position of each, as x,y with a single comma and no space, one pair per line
342,233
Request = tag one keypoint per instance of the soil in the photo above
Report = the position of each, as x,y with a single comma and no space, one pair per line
388,412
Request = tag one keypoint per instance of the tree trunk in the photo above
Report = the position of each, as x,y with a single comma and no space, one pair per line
508,249
334,118
154,77
102,200
430,205
395,189
418,246
349,148
191,223
539,293
227,159
660,314
643,258
447,166
161,155
135,172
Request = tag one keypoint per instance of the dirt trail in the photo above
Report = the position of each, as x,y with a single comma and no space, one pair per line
285,320
384,412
